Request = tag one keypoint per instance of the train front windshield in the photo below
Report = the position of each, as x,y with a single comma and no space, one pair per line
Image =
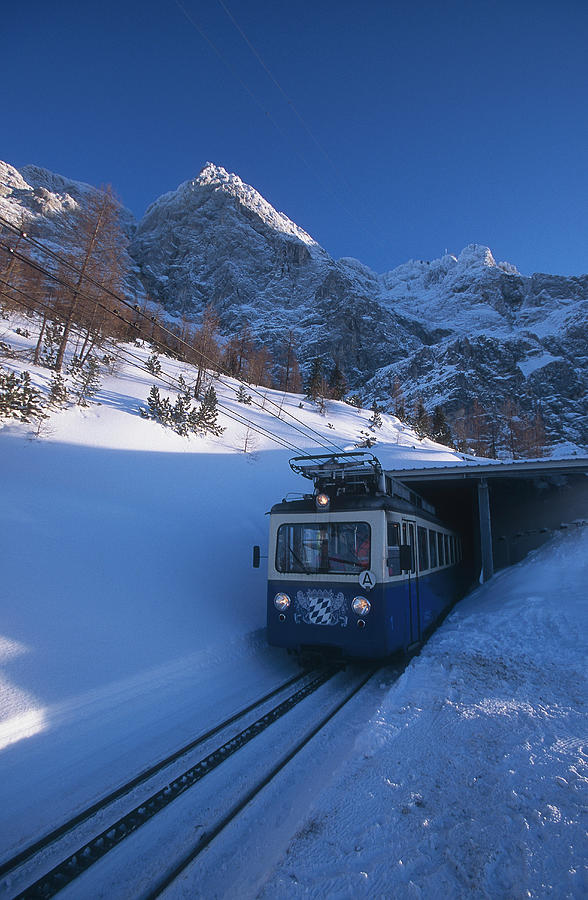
332,548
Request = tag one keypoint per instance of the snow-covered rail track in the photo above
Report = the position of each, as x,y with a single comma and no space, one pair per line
230,813
19,876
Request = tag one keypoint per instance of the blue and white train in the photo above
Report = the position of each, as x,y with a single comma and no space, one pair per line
360,568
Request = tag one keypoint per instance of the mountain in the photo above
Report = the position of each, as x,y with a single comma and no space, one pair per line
451,330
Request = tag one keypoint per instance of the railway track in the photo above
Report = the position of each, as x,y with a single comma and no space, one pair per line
12,870
229,815
62,857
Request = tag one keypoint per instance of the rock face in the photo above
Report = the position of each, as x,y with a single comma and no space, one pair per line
451,330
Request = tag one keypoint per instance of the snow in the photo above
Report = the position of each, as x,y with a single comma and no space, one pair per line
471,778
539,361
131,620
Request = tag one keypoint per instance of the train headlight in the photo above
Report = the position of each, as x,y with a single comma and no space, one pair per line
322,501
361,606
281,601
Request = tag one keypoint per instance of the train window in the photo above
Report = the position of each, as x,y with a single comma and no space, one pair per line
433,549
408,538
440,549
393,554
447,557
332,548
423,548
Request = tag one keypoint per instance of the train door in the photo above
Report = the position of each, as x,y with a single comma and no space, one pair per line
409,537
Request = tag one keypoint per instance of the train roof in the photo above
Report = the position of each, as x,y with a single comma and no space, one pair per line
353,481
358,504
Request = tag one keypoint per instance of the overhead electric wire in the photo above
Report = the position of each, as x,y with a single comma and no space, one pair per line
273,78
165,378
189,16
323,441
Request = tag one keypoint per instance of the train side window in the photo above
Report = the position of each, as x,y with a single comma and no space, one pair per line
440,549
423,548
447,557
408,538
433,549
393,557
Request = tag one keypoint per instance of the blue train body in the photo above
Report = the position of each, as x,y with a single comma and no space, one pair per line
362,568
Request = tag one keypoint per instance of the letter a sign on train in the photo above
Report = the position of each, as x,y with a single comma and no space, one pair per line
367,580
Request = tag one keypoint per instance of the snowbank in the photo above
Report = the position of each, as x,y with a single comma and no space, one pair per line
471,781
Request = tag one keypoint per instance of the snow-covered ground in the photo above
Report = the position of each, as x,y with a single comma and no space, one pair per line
131,620
471,779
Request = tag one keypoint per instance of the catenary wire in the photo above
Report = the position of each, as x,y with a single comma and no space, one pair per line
320,439
171,382
336,196
164,378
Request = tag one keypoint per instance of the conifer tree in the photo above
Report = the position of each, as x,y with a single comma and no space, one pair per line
86,380
356,401
153,365
376,419
440,430
180,415
315,384
57,390
337,383
19,398
421,422
243,396
207,416
52,336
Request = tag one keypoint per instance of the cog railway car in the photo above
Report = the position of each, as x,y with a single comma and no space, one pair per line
362,567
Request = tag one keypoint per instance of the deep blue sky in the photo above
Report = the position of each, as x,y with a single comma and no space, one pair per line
428,124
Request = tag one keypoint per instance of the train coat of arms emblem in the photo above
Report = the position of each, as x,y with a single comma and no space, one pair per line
320,607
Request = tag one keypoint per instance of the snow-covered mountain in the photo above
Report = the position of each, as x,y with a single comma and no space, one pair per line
450,330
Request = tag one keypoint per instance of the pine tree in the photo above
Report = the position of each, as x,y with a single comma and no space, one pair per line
154,403
376,419
57,390
207,416
440,430
153,365
180,415
356,401
337,383
315,384
243,396
19,398
52,336
86,380
421,422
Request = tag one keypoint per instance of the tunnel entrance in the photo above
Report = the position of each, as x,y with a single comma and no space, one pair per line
504,510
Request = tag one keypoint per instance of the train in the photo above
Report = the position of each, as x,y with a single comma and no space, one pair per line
361,568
